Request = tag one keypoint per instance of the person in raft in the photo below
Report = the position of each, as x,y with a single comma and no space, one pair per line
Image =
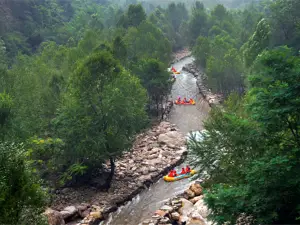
179,99
187,169
172,173
182,171
191,100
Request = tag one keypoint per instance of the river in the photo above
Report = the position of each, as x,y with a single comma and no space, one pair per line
187,118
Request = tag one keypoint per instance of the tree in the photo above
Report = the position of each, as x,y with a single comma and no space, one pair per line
257,42
147,41
201,50
22,199
156,80
136,15
197,24
252,148
102,111
285,21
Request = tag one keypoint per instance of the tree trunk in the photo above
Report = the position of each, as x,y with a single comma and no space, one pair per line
111,174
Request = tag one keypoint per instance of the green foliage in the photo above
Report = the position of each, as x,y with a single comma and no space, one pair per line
147,41
155,79
22,198
257,42
201,50
90,122
252,148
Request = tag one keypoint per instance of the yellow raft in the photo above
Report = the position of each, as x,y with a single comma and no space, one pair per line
179,177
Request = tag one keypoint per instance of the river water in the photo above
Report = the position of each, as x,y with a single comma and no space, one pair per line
187,118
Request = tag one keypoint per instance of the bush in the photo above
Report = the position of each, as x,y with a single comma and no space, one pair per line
22,197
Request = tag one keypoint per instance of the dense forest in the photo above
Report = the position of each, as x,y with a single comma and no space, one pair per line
78,80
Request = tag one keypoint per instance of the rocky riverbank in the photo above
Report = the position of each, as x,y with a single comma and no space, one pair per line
187,208
153,154
177,56
212,99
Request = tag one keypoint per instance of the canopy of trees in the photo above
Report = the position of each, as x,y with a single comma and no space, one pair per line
250,149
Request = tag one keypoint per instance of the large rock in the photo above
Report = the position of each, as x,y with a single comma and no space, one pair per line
69,212
201,208
54,217
187,207
171,138
190,193
166,208
196,199
175,216
196,188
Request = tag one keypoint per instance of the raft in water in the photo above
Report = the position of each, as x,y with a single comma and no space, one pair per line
179,177
185,103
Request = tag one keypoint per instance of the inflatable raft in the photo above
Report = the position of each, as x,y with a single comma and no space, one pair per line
179,177
176,72
185,103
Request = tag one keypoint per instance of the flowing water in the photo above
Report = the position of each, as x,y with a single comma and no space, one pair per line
187,118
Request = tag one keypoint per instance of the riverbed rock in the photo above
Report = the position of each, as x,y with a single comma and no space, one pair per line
196,199
54,217
68,212
201,208
175,216
190,193
196,188
187,207
171,138
166,208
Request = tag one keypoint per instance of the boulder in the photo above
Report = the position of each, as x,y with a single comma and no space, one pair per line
187,207
152,169
171,138
96,215
160,213
196,188
83,210
196,199
166,208
69,212
54,217
144,178
201,208
144,170
190,193
175,216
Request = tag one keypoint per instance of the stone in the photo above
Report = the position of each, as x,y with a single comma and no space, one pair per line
68,212
160,212
144,170
54,217
96,215
171,138
175,216
152,169
196,199
144,178
187,207
164,220
195,222
166,208
190,193
196,188
201,208
83,210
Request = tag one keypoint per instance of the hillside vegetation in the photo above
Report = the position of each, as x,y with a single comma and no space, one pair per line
79,79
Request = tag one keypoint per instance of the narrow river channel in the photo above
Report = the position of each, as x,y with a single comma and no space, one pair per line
187,118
